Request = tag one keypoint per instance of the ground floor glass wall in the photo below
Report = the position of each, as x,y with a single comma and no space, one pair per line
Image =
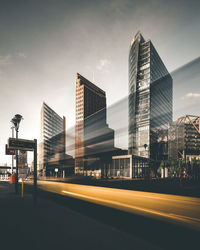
121,168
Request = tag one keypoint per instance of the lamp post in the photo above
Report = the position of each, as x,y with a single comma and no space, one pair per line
12,155
16,121
145,148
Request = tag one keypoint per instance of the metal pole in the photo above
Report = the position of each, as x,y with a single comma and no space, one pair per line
16,182
12,155
35,172
22,188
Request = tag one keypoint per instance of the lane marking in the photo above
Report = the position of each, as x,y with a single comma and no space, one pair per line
187,217
119,204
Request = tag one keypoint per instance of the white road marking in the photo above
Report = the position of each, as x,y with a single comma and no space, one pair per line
187,217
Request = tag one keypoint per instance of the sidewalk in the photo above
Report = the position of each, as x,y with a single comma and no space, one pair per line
52,226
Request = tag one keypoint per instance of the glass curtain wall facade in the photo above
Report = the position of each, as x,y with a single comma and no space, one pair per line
89,100
150,98
121,167
176,135
51,126
128,166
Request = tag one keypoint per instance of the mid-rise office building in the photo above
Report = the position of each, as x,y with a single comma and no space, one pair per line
92,134
184,138
150,99
52,137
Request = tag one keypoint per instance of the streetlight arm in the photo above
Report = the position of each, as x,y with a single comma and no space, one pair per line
16,121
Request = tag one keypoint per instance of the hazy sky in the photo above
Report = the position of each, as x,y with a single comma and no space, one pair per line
44,43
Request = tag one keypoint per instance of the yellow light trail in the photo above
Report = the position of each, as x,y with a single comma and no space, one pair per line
172,208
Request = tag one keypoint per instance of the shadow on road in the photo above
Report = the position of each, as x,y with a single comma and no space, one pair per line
162,234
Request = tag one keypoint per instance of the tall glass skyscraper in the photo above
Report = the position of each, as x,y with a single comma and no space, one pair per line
52,137
150,99
92,133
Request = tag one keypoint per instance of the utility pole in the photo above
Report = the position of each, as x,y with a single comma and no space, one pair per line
35,172
16,121
12,155
16,181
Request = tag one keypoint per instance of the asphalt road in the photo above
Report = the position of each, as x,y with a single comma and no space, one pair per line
181,210
51,226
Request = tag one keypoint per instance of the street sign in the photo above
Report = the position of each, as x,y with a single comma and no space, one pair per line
22,159
22,152
23,172
21,144
9,151
22,165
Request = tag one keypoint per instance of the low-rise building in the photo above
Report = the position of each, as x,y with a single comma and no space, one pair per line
184,138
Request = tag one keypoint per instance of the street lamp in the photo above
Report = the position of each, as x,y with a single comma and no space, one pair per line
16,121
145,148
12,155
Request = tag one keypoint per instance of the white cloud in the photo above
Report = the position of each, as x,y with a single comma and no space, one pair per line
192,96
21,54
5,60
9,59
103,65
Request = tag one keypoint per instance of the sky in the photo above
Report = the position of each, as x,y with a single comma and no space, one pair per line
44,43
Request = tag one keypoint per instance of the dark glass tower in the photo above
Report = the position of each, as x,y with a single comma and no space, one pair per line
52,137
92,133
150,99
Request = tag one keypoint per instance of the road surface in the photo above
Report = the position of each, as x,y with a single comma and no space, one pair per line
171,208
51,226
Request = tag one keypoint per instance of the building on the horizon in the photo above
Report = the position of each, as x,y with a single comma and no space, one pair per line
52,138
150,100
184,138
92,134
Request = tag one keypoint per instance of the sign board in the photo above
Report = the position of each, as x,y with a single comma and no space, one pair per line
22,152
23,172
21,144
22,159
9,151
